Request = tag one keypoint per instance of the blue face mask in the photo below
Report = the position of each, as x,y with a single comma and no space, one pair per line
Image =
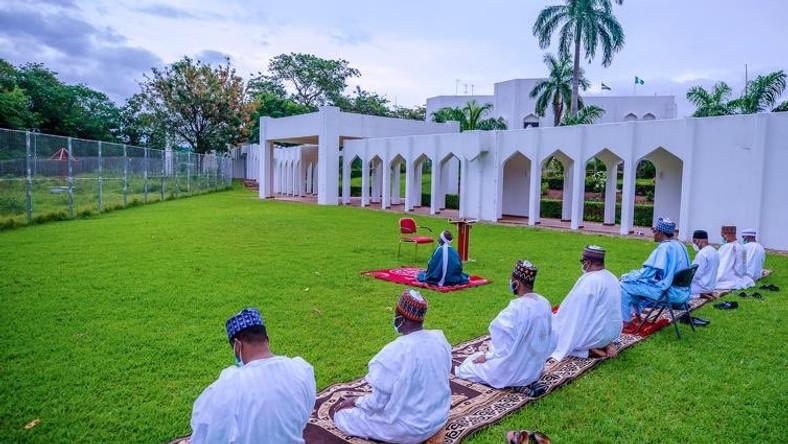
744,241
238,361
724,241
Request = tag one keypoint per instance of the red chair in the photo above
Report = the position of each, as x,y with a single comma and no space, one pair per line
408,233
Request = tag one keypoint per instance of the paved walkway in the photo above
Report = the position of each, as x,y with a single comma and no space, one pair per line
555,224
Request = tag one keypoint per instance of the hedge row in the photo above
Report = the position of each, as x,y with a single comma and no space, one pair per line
557,183
595,212
452,200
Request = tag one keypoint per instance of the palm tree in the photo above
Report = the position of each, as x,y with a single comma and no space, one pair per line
556,89
585,116
761,94
587,22
470,117
783,107
709,104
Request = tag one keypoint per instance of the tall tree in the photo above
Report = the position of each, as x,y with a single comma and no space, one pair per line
364,102
418,112
761,93
316,81
585,116
15,112
556,89
587,23
139,127
199,104
708,104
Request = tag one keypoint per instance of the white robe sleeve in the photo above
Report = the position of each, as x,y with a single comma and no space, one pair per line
214,418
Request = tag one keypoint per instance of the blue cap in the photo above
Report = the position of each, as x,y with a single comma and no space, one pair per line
666,226
248,317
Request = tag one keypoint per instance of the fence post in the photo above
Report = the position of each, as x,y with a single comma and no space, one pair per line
188,172
145,175
99,179
29,185
163,161
125,176
70,182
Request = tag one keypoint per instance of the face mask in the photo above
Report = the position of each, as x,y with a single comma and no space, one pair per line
724,241
238,361
513,285
396,327
744,241
695,247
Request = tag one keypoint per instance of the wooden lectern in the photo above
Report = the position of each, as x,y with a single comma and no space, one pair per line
463,235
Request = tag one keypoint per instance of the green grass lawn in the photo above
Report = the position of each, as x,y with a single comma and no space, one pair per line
111,326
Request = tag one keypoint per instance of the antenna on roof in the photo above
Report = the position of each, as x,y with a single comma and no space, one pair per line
456,86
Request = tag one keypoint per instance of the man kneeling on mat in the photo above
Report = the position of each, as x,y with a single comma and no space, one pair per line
410,397
521,338
445,266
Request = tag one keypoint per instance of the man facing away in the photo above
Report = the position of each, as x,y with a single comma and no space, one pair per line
708,261
657,273
589,319
756,254
521,337
445,266
410,397
265,398
732,272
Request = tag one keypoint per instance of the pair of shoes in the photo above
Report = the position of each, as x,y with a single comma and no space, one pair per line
727,305
754,295
526,437
698,322
770,287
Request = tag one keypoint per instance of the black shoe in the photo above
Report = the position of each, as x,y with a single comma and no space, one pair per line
727,305
700,322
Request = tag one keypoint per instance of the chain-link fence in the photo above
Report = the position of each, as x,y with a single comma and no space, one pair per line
45,177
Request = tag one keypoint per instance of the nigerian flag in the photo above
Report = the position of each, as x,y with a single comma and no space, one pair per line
639,81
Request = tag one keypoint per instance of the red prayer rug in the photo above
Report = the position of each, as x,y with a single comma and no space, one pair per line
407,276
474,406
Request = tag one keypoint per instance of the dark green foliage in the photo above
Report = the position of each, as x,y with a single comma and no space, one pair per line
594,211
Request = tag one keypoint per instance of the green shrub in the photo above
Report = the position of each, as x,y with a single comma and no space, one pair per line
12,204
595,212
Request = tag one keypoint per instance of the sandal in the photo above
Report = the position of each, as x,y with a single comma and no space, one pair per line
526,437
769,287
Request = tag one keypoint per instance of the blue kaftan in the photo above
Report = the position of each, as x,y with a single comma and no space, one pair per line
435,269
656,276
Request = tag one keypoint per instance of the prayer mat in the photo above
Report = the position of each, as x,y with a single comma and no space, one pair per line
407,276
473,405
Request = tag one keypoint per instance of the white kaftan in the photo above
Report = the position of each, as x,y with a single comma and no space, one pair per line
267,400
705,279
521,340
590,316
410,397
755,257
732,274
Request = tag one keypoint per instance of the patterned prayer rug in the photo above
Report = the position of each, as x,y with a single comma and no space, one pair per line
473,405
407,276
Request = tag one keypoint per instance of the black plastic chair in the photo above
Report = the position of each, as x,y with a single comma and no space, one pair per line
682,279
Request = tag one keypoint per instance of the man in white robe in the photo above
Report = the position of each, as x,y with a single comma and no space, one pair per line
521,337
708,261
589,318
732,273
756,254
656,275
410,397
265,398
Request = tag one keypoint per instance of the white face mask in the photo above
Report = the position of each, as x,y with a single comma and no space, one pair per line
396,327
513,286
695,247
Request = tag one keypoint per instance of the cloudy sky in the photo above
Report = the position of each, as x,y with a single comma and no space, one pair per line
406,50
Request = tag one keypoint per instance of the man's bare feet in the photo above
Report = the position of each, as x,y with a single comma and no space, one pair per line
597,353
611,350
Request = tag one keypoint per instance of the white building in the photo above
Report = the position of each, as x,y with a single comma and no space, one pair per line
710,171
513,103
